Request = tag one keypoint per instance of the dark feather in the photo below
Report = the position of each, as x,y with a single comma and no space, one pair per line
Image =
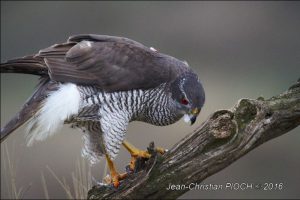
106,62
25,65
110,63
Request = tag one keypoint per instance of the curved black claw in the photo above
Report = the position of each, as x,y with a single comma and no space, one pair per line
128,170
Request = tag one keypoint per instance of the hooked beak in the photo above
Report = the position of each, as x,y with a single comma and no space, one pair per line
192,116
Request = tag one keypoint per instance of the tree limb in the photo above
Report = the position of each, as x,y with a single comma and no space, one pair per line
223,138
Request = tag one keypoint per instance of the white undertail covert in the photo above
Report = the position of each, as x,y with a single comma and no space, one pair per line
56,108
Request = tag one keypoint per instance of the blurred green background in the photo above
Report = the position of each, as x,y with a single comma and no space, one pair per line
239,50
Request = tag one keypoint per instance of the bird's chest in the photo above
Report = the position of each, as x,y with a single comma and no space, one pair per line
160,112
161,117
152,106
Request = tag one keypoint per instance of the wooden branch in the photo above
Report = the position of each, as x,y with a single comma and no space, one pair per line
223,138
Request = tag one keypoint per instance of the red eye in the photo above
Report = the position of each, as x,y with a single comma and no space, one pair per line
184,101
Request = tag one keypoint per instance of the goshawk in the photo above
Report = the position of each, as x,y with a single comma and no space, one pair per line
99,84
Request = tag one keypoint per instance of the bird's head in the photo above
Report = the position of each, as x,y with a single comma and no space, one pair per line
188,94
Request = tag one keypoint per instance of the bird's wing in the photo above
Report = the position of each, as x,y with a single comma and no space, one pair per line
110,63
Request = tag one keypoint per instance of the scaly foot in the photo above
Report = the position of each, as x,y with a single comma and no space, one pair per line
114,177
136,153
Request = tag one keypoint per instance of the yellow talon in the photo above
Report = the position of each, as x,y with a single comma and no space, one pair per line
115,177
136,153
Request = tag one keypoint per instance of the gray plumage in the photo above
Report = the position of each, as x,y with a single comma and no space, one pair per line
117,80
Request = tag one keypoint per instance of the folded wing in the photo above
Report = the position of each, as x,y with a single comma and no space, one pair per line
110,63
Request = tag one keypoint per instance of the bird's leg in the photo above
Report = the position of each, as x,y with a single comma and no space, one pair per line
135,153
115,177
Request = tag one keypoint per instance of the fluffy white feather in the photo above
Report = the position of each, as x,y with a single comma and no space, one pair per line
56,108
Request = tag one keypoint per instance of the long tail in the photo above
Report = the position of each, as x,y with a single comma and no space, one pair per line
26,65
31,106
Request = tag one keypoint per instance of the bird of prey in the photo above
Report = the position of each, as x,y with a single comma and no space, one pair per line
99,84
